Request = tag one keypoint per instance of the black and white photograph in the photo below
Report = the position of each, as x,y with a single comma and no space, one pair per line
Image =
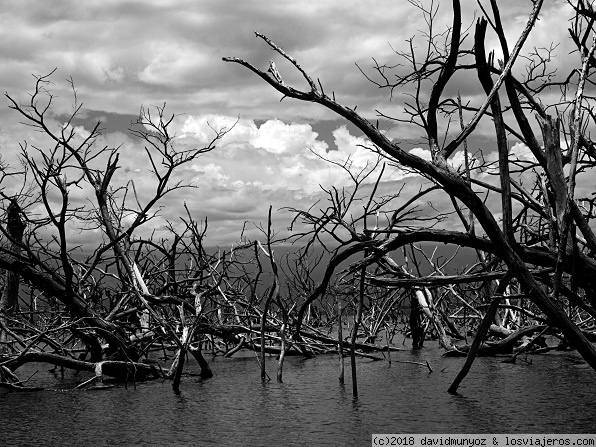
298,223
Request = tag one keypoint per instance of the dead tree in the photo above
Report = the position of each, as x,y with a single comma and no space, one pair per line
52,267
569,254
9,299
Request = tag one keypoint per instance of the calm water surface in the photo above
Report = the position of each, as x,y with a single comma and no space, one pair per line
552,395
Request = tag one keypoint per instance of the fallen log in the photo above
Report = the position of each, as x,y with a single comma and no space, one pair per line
271,349
120,370
364,347
528,343
499,331
504,346
18,388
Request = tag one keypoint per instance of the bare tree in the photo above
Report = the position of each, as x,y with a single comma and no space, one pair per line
56,270
539,245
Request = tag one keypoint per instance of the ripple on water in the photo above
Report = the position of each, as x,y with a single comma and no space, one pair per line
311,407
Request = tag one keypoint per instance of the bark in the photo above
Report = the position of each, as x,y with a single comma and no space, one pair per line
274,294
340,344
15,228
484,325
357,321
236,348
10,296
416,328
178,363
128,371
504,346
500,331
206,372
425,303
527,344
481,334
487,83
19,388
263,324
282,354
273,350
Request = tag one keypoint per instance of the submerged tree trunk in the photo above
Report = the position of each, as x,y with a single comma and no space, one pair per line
482,331
178,363
340,344
425,303
16,228
282,352
9,299
196,352
357,321
416,329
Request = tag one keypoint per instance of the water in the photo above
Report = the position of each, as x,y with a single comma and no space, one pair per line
552,395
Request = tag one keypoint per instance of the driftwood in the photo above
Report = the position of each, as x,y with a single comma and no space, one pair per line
504,346
529,343
19,388
119,370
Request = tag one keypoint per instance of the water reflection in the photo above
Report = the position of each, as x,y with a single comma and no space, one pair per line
311,407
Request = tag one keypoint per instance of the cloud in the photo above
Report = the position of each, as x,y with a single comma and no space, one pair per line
272,156
521,152
253,167
212,174
171,64
456,161
150,52
122,55
422,153
277,137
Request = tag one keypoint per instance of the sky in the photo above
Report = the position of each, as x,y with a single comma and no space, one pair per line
122,55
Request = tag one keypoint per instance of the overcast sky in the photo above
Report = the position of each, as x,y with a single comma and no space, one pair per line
124,54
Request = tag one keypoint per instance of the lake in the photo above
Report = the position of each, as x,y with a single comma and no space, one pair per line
553,394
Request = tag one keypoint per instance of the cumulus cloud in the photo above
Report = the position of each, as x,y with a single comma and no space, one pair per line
457,161
277,137
272,156
254,166
124,54
521,152
422,153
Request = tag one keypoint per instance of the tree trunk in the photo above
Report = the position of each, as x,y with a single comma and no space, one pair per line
425,303
178,363
482,330
16,228
282,353
357,321
416,328
340,344
206,372
481,334
9,300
